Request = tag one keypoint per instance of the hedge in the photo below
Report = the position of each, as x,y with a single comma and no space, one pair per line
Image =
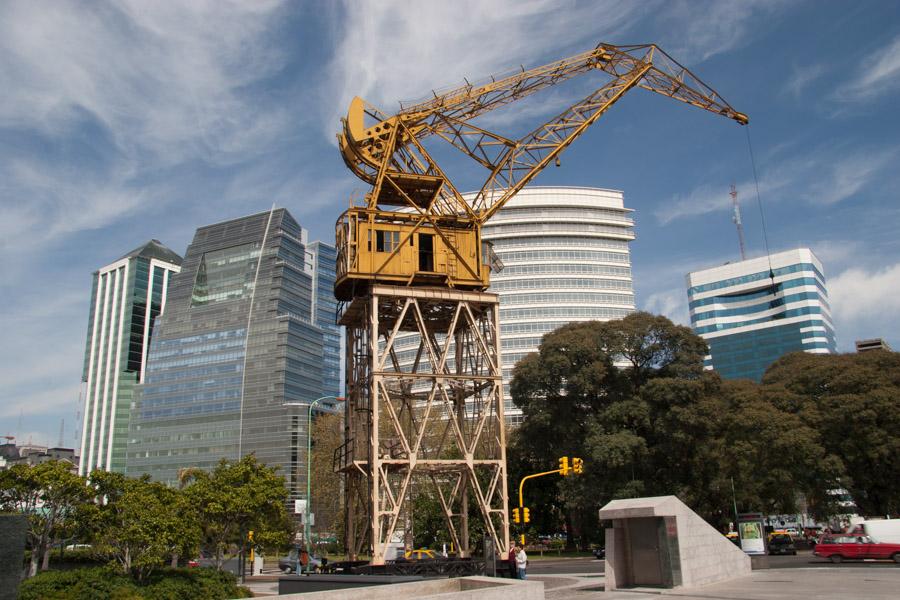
104,583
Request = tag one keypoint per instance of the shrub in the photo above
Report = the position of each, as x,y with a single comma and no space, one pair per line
187,584
79,584
108,584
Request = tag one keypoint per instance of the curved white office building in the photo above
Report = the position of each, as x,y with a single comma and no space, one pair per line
566,258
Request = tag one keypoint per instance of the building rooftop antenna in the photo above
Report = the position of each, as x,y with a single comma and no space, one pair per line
736,218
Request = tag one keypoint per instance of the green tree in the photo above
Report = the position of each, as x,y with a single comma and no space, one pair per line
325,484
853,401
138,522
580,397
236,498
48,494
631,398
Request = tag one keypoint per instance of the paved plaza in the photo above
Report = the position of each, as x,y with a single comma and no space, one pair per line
875,581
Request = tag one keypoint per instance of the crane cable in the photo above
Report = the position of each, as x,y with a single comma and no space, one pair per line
762,215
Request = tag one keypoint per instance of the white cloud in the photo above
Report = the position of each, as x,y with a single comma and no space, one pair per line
110,96
850,174
879,72
396,50
669,303
165,80
865,303
701,30
822,176
802,77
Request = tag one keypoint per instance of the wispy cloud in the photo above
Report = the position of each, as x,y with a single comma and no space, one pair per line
848,175
395,50
702,29
803,77
162,79
121,92
879,73
823,176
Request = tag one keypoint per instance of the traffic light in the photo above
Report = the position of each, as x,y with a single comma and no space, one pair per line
564,465
516,516
526,517
577,466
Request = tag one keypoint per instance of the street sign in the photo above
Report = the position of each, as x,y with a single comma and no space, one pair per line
299,507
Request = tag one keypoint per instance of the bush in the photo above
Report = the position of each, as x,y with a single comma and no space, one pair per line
188,584
79,584
108,584
80,556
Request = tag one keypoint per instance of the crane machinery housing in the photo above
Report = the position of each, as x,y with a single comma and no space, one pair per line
411,258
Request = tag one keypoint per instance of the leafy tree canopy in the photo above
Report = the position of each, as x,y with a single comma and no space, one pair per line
632,399
48,494
853,401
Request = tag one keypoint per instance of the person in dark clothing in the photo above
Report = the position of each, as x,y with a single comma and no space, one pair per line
511,561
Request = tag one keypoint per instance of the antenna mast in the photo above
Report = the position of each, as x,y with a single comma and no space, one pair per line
736,218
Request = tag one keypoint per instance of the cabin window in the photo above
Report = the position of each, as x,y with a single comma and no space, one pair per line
386,241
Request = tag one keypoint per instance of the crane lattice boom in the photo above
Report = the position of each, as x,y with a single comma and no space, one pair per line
387,152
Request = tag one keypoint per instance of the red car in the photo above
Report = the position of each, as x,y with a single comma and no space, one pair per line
854,547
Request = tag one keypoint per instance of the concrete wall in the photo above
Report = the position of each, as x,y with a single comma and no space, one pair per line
704,555
12,554
461,588
707,556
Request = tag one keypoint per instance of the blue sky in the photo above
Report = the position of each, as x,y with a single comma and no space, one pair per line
130,120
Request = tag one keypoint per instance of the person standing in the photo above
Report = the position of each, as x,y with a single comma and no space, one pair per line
521,562
304,561
511,561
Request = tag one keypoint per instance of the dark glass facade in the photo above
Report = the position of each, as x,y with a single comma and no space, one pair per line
239,354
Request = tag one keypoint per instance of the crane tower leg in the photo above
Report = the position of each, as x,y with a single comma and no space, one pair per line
425,410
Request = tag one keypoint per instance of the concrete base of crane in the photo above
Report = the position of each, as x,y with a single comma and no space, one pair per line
460,588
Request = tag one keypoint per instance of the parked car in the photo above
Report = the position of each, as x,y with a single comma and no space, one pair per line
848,547
419,554
781,543
287,564
599,552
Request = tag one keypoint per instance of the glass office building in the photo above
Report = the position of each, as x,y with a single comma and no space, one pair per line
246,344
566,259
754,311
126,299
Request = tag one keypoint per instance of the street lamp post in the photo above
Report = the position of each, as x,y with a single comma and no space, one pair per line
306,530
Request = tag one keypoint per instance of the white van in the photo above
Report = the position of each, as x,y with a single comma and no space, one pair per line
885,531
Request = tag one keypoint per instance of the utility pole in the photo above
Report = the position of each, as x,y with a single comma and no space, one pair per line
736,218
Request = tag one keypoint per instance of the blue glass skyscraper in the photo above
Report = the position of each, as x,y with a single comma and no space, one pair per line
754,311
246,343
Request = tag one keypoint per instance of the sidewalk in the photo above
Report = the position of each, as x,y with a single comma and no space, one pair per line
815,583
818,583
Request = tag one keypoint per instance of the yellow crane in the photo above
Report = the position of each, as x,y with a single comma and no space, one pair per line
415,227
411,260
